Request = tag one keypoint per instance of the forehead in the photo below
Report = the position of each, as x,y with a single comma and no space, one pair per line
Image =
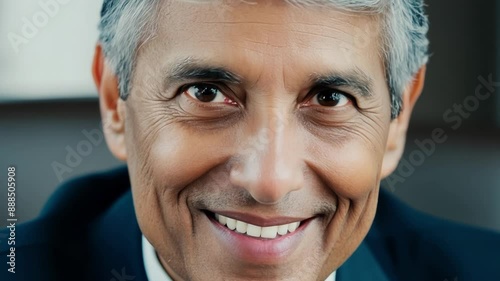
253,37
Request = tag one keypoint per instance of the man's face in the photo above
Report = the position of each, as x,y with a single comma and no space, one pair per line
268,114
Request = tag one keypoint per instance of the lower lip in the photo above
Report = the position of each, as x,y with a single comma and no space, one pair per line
259,250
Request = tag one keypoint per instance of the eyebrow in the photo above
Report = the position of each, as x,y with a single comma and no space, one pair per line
194,69
356,79
191,69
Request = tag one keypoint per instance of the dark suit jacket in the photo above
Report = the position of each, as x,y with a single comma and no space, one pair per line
88,231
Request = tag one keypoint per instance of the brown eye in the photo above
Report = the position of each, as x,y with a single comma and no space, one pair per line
207,93
330,98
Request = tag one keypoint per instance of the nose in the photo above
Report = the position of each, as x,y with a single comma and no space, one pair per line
269,165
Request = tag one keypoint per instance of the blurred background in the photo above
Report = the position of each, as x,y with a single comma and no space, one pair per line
49,109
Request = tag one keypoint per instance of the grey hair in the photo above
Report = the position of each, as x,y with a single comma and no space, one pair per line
125,24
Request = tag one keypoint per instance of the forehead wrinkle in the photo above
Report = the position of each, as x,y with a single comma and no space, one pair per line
277,34
291,38
253,45
294,14
256,45
289,21
292,26
329,25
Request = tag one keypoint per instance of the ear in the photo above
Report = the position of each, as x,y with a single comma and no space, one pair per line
111,106
399,126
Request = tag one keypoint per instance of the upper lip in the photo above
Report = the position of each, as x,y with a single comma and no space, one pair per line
259,220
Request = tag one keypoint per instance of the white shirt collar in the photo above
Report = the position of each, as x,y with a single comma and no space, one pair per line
154,269
156,272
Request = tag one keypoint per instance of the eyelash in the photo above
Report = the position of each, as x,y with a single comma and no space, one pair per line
219,88
316,91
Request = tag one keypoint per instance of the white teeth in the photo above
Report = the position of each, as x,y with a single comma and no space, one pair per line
268,232
241,227
253,230
222,219
293,226
283,229
231,223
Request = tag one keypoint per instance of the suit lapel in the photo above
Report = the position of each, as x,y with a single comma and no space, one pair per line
116,244
362,265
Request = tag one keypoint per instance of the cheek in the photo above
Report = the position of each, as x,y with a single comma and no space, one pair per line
173,159
360,169
178,157
350,169
167,159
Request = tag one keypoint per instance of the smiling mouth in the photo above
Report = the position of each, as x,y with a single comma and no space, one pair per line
248,229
